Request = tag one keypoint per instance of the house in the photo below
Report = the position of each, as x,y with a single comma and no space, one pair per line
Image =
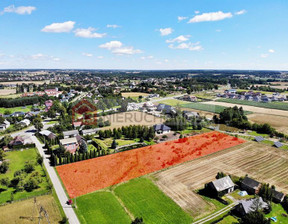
246,206
166,109
189,98
190,114
278,197
149,106
4,125
132,106
223,185
70,134
20,140
230,91
24,122
48,105
90,131
48,134
161,129
70,144
250,185
17,114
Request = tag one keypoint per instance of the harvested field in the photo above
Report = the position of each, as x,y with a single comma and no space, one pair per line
10,213
264,163
24,82
94,174
134,94
7,92
280,123
119,120
251,108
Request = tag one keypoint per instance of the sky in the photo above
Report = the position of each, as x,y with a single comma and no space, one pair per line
144,34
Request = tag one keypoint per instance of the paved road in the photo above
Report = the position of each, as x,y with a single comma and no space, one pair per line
56,183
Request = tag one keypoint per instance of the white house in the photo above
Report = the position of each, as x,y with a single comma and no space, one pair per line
4,125
25,122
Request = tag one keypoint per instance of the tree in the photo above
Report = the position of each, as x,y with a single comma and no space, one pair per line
4,181
39,159
31,184
29,167
114,144
37,122
220,175
256,217
137,221
83,146
5,141
4,167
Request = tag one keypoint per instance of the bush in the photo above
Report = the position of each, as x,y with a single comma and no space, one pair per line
29,167
31,184
4,167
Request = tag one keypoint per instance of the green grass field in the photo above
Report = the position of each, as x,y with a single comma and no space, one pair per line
17,161
277,210
208,107
144,199
15,109
100,207
204,107
271,105
173,102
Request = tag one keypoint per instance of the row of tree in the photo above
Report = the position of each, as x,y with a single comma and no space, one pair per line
130,132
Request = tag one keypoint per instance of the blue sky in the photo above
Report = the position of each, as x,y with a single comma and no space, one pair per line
144,34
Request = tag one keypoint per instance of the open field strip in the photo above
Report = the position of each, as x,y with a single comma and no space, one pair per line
251,108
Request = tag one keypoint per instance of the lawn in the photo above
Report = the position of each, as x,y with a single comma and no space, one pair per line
144,199
254,133
120,142
208,107
17,161
271,105
204,107
277,210
15,109
228,220
101,207
10,213
173,102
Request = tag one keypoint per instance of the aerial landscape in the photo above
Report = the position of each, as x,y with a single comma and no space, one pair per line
143,112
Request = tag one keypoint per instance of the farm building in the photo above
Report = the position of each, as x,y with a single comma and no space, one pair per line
278,197
70,134
246,206
190,114
250,185
221,186
161,129
90,131
278,144
259,139
70,144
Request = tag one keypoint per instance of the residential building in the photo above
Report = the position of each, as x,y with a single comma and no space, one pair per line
4,125
161,129
246,206
70,144
70,134
223,185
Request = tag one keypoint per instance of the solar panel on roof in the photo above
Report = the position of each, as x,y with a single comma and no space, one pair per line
259,138
278,144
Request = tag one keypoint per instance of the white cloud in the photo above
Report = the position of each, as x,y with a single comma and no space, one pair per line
116,47
196,12
126,50
100,57
218,30
114,26
211,16
179,39
271,51
180,18
165,31
59,27
241,12
189,46
112,44
21,10
264,55
40,56
87,54
147,57
88,33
